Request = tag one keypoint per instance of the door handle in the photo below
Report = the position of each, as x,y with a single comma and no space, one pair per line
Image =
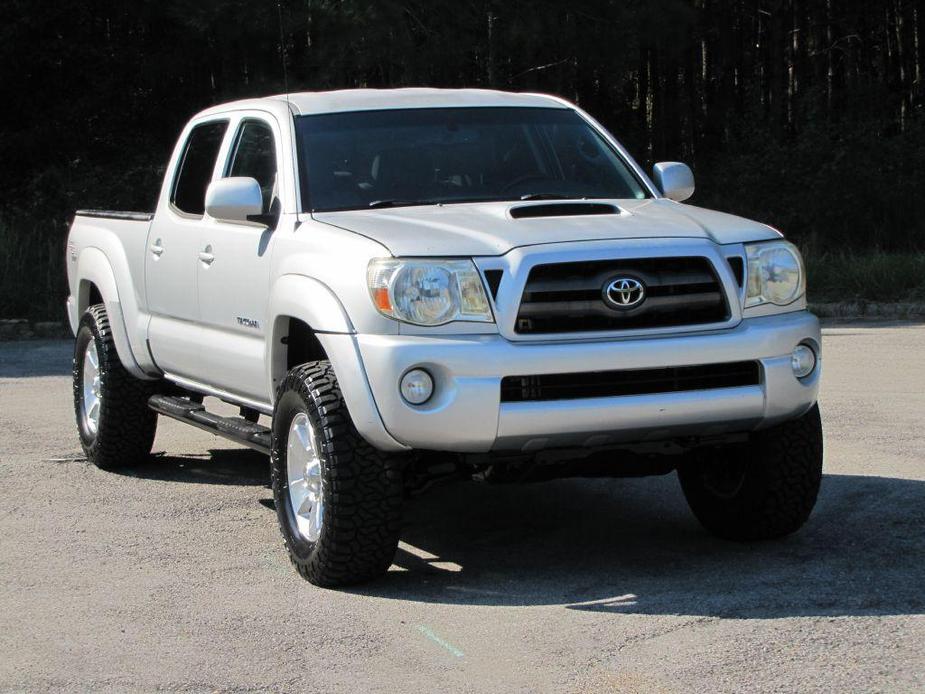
206,255
157,249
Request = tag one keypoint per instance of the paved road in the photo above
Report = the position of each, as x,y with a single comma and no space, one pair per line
171,575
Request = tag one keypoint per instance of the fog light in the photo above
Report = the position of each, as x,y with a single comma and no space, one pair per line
803,361
417,386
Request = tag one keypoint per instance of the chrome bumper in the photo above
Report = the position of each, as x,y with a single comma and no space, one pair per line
466,414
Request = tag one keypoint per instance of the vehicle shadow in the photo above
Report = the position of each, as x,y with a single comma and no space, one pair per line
632,546
235,466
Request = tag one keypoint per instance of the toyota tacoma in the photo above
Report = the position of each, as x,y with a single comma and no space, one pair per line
397,286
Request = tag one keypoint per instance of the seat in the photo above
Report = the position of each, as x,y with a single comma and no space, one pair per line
402,173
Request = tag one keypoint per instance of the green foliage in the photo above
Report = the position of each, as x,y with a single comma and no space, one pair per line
877,276
32,279
839,186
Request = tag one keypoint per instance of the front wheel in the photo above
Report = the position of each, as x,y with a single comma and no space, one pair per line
762,490
338,499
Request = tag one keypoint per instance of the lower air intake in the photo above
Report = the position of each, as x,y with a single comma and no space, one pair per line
602,384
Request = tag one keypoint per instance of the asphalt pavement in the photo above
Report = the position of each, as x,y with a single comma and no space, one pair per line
171,575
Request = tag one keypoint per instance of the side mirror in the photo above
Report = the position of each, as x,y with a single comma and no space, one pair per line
234,199
674,179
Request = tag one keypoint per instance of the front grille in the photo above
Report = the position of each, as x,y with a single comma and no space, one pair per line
602,384
568,297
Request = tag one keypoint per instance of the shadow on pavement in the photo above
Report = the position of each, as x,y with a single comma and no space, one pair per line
632,546
236,466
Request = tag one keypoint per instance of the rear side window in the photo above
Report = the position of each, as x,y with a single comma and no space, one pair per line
196,166
254,155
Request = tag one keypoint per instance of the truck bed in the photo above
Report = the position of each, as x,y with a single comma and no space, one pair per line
110,247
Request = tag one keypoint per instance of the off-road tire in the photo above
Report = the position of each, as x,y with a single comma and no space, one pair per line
362,486
126,428
780,472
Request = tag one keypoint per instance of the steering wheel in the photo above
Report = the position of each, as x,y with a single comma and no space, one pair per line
523,179
586,152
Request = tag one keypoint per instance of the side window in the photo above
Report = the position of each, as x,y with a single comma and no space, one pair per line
196,165
254,155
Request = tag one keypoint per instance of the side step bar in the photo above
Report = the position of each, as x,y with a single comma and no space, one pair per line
236,429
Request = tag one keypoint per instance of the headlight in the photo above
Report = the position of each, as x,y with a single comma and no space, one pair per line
425,292
775,274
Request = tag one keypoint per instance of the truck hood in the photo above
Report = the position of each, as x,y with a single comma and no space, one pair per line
485,229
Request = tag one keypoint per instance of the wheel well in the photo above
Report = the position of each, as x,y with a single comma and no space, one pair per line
302,345
89,296
294,343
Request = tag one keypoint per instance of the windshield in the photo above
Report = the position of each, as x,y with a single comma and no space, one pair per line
394,158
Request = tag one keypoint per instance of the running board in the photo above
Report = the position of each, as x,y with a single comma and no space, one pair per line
236,429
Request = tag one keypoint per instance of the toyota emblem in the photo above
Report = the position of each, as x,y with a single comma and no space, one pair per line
624,293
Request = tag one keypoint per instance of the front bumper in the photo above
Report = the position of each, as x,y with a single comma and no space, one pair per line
466,414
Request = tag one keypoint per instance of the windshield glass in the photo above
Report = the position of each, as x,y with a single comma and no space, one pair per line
403,157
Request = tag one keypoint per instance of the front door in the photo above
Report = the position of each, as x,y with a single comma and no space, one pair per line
234,280
171,255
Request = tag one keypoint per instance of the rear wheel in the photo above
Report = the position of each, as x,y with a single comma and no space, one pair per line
764,489
338,499
115,424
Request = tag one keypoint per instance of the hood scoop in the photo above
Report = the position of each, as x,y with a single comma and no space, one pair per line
563,209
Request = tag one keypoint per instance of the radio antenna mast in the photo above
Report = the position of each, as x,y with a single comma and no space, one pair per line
282,48
284,56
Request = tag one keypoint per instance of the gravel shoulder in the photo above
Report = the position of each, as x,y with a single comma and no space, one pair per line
172,575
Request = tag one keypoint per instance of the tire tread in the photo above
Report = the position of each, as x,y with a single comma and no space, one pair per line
127,425
362,521
782,480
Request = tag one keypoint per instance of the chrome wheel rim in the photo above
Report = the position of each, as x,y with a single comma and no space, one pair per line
92,394
303,465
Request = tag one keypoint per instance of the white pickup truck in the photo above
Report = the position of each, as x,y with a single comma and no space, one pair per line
418,282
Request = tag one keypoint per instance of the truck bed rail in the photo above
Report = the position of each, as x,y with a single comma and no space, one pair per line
116,214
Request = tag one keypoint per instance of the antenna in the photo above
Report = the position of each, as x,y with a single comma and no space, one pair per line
282,48
282,52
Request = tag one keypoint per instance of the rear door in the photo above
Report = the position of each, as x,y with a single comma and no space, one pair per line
234,283
171,257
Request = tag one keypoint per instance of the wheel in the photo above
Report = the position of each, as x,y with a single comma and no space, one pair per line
115,424
762,490
338,499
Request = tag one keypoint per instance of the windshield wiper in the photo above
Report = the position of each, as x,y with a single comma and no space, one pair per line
399,203
389,202
442,201
546,196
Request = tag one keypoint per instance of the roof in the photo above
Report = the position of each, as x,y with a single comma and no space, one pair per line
343,100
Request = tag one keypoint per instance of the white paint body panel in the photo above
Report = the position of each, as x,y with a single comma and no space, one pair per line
478,229
344,100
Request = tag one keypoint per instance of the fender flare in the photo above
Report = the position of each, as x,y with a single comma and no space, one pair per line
308,300
313,303
93,268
